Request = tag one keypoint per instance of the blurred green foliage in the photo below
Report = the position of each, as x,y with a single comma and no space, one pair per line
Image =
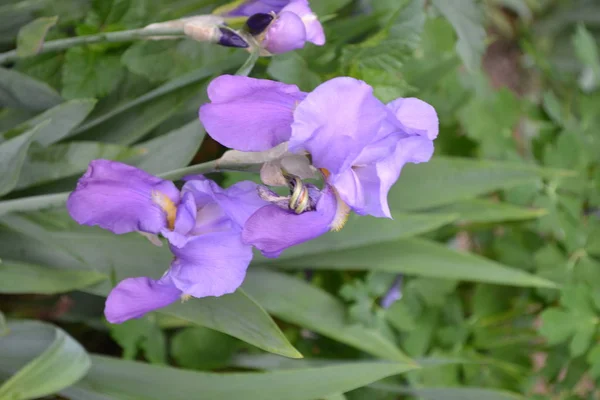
497,238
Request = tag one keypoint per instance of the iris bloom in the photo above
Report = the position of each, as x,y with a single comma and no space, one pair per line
203,226
358,143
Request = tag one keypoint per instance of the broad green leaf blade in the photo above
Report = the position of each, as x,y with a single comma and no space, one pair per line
124,256
172,151
445,180
13,153
90,74
487,211
450,393
169,87
360,231
467,19
23,92
46,358
586,50
31,37
33,203
131,126
292,68
298,302
17,277
417,257
68,159
236,315
116,378
63,119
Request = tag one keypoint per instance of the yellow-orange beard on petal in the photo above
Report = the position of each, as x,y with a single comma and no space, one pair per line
342,211
164,202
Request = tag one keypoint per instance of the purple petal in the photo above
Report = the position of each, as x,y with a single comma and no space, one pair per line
377,179
122,199
287,33
211,265
335,122
252,7
237,203
350,189
134,297
416,116
314,29
273,229
185,221
249,114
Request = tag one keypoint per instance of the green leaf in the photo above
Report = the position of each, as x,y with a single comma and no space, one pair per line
68,159
141,334
89,74
34,203
63,160
164,60
554,327
20,91
173,150
61,243
31,37
169,87
293,69
467,19
417,257
46,358
237,315
114,378
203,348
445,180
63,119
13,153
131,126
450,393
298,302
18,277
360,231
586,50
487,211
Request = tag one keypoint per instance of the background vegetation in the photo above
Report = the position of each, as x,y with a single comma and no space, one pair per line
497,239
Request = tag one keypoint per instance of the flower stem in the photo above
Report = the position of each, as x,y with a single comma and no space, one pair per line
112,37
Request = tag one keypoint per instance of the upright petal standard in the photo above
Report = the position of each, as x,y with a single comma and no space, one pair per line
249,114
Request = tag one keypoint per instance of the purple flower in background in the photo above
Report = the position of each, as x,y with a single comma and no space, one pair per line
122,199
249,114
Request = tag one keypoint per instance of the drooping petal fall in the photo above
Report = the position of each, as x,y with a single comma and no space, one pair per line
213,264
272,229
122,199
134,297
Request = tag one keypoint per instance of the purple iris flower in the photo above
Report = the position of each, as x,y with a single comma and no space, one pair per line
359,143
203,226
